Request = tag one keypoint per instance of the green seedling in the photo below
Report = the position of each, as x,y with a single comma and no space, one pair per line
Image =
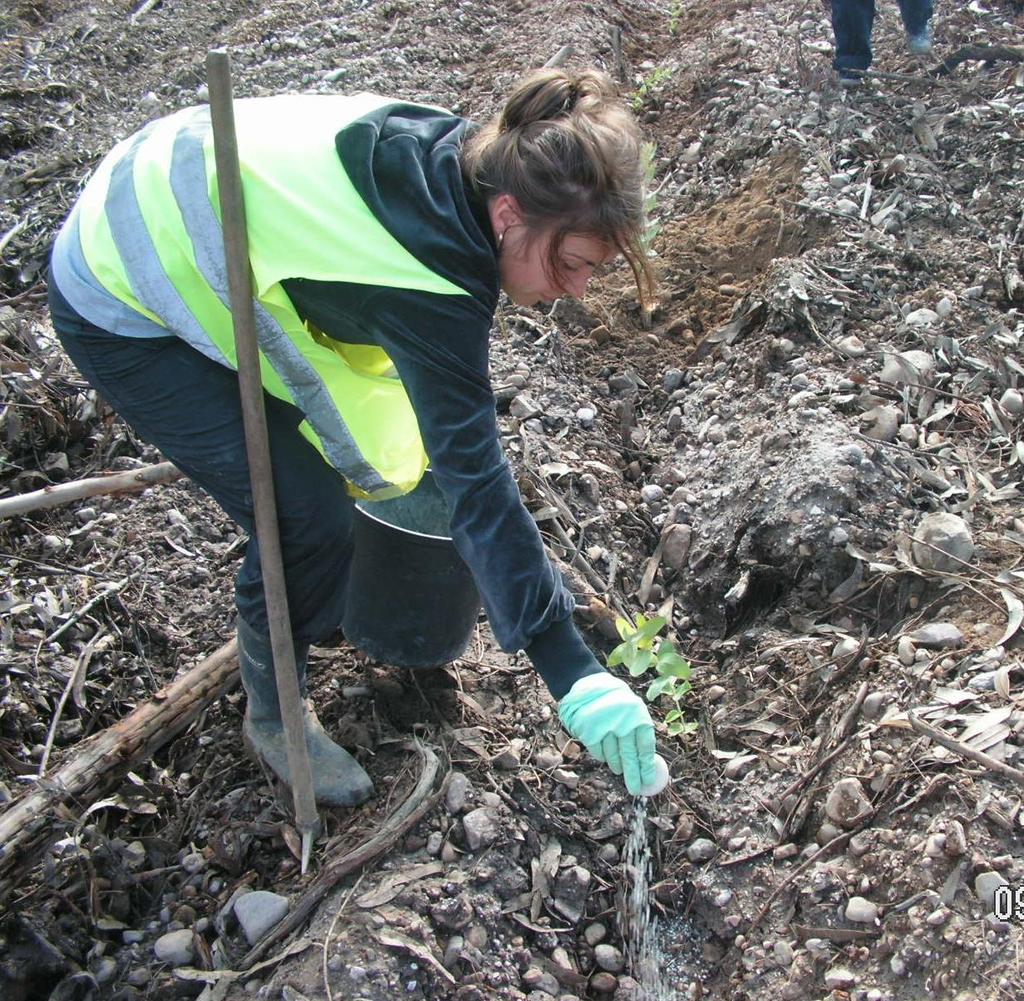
674,14
640,651
649,84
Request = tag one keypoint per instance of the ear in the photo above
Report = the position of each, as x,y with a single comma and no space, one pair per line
505,212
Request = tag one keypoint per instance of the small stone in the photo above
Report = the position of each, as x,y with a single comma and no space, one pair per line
651,493
783,952
714,693
672,379
258,912
851,346
1012,401
105,969
481,828
937,636
609,958
594,933
535,979
847,802
861,910
457,793
586,416
874,704
739,766
921,318
985,886
839,978
566,777
956,839
547,758
524,407
604,982
571,890
676,541
883,423
507,760
701,850
175,948
906,651
942,542
138,977
914,367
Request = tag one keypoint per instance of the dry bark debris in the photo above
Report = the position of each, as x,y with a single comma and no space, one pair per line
836,355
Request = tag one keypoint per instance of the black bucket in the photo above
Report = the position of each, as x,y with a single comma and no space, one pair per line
411,599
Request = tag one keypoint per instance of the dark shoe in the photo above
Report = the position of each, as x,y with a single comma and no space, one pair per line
849,80
338,779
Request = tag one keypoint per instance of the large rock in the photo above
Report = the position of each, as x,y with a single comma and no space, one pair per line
942,542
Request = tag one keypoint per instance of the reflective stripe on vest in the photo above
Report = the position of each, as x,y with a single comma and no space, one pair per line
170,266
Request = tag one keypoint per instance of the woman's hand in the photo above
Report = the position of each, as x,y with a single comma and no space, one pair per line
612,722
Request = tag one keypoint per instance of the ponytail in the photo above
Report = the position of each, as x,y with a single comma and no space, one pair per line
567,149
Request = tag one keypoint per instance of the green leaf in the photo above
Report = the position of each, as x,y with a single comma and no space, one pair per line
648,629
640,663
669,662
617,655
660,686
624,627
672,715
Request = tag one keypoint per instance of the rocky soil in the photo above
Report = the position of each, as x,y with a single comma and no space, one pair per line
808,459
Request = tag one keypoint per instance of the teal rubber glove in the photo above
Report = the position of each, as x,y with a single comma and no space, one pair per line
612,722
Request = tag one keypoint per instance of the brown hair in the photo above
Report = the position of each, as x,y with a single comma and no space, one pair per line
567,149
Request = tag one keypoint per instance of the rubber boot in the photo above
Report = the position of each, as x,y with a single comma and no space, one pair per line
338,779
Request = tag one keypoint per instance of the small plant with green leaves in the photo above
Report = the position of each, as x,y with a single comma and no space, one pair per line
649,85
675,13
640,651
651,228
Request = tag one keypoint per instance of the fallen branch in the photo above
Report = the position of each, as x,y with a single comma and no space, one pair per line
983,53
101,761
957,747
65,493
417,803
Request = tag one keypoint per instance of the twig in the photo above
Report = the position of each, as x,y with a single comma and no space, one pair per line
80,668
143,9
77,615
957,747
560,57
65,493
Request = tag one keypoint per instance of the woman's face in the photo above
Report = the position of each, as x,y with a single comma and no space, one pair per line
524,259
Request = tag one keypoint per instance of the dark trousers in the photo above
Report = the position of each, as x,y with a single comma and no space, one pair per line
189,407
852,21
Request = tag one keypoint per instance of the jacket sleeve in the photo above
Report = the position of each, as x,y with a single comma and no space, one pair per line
439,345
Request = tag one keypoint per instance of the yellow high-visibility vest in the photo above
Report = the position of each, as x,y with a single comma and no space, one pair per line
149,225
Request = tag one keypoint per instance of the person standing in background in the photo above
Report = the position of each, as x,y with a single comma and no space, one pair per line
852,21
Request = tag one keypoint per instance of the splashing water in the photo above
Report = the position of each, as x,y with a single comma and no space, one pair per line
638,923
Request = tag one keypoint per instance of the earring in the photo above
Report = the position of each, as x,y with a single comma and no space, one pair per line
501,239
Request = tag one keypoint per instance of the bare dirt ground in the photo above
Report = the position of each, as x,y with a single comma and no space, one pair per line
835,360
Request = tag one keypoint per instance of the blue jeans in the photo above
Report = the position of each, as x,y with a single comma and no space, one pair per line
852,21
189,407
